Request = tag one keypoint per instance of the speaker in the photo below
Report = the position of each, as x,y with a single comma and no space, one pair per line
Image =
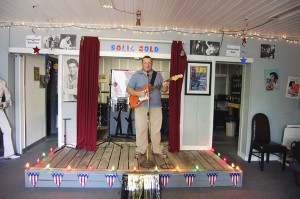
113,122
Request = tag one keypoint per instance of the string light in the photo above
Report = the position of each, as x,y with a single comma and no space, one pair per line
150,30
27,165
69,168
47,166
134,168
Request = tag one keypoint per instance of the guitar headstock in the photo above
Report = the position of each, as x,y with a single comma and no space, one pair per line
176,77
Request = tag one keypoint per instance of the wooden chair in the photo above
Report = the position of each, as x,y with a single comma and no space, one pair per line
261,141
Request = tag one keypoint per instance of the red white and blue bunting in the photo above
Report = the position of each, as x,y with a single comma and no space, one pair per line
82,178
57,177
212,177
235,178
189,178
33,177
110,178
164,179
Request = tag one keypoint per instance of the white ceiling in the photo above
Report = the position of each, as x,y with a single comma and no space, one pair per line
191,15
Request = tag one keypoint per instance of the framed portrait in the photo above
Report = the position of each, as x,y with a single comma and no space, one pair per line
267,51
67,41
292,88
198,78
70,75
272,79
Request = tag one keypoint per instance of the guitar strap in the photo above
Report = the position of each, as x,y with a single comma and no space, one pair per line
153,78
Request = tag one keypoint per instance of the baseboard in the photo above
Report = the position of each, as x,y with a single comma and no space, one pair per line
34,144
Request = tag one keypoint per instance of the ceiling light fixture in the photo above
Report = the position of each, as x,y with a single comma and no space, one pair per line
288,13
138,18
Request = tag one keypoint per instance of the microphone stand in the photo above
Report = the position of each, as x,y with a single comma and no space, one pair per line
146,163
108,139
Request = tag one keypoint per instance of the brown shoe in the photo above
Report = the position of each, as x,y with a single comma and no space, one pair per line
138,155
160,155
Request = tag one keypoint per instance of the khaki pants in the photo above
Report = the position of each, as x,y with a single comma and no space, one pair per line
141,126
6,130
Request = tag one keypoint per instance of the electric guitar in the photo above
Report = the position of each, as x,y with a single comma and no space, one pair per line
136,101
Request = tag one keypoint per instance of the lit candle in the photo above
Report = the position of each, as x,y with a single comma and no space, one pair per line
69,167
47,166
177,168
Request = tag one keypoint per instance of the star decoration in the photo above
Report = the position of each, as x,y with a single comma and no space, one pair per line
243,60
36,50
244,40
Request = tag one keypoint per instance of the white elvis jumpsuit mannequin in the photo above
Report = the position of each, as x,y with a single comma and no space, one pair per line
5,101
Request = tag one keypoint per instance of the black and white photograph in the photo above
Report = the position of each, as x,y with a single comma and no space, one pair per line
200,47
51,41
67,41
267,51
197,47
71,65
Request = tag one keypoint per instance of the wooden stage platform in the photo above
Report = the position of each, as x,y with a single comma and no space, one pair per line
106,166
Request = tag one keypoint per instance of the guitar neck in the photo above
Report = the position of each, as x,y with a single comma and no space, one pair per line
157,86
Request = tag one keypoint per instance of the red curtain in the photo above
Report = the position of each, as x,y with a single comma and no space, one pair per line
87,94
178,66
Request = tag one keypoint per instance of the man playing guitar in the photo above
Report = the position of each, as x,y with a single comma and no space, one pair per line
138,81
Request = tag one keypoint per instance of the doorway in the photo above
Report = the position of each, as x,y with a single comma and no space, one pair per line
227,100
52,98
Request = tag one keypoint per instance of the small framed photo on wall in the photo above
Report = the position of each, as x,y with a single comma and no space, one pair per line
36,73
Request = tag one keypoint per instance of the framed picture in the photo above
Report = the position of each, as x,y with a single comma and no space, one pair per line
200,47
36,73
70,75
267,51
198,78
271,79
292,88
67,41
